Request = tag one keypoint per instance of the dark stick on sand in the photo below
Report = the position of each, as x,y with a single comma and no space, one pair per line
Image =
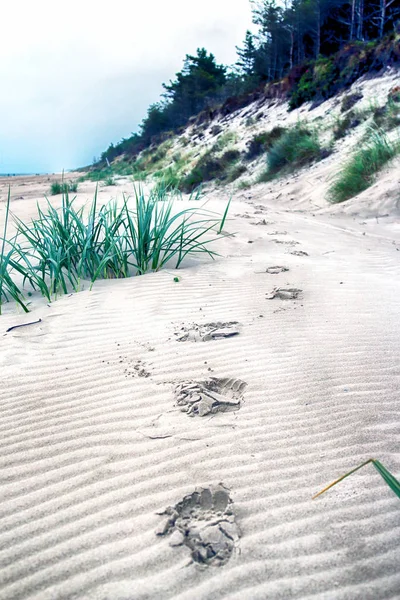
23,325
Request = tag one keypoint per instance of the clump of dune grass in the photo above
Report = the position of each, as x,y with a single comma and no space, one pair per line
295,148
61,248
261,142
390,479
63,187
109,181
360,171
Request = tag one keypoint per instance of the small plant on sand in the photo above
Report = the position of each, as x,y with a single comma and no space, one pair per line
390,479
109,181
359,173
63,187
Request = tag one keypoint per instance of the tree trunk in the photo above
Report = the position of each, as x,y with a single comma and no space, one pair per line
291,49
352,23
318,40
382,18
360,15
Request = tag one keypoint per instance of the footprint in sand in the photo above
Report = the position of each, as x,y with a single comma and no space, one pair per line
207,331
286,242
277,269
284,293
211,396
203,521
298,253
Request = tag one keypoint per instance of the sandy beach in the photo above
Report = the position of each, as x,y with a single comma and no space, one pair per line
95,443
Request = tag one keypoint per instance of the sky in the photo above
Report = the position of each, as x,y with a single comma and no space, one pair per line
78,75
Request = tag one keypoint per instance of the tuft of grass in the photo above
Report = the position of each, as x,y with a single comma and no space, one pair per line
63,247
296,148
168,181
109,181
359,173
245,184
261,142
390,479
63,187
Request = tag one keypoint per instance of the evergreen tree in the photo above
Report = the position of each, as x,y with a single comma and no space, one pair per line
247,55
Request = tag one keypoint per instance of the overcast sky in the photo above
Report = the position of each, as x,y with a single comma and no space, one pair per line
78,75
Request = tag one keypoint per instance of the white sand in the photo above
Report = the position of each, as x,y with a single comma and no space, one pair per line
90,451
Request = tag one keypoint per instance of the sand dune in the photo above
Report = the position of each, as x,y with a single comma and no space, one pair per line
93,445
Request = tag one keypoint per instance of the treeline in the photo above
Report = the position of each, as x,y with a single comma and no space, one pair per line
295,32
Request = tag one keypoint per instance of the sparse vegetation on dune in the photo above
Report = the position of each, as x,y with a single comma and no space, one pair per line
360,171
350,120
261,142
61,248
295,148
224,167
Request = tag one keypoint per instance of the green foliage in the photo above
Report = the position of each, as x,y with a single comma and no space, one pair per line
168,180
320,79
210,167
359,173
109,181
63,187
60,248
263,141
296,148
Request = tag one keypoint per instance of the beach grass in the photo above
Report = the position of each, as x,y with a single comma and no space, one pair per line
359,172
62,248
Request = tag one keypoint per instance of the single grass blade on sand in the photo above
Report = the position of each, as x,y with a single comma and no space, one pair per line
392,482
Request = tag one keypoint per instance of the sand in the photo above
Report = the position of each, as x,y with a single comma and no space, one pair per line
257,378
95,445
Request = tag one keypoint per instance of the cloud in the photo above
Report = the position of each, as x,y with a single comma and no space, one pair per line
74,81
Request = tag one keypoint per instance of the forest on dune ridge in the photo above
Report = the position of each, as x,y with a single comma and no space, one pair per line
313,47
